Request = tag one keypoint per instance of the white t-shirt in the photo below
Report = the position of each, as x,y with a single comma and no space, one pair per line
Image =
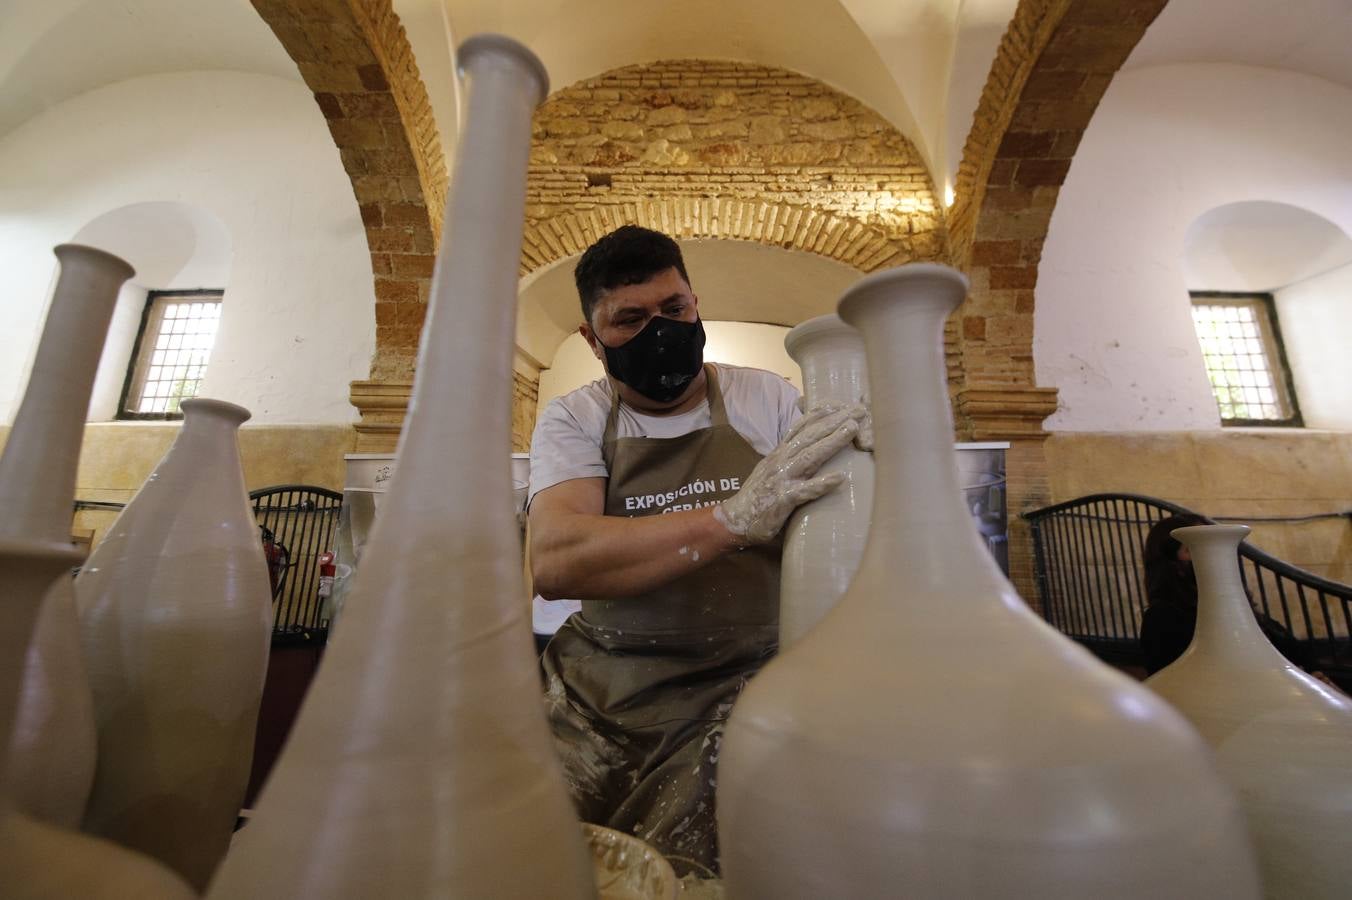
761,406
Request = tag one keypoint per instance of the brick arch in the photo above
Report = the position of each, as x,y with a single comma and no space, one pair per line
356,59
858,244
1052,68
1050,72
720,149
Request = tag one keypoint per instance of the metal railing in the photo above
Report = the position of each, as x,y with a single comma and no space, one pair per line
1091,581
301,521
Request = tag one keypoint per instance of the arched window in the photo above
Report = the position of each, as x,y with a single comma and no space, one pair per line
1262,277
164,325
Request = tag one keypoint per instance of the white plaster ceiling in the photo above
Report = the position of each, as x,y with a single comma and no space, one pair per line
1309,36
52,50
734,280
1261,246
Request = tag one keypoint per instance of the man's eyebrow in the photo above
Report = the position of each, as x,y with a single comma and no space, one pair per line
635,308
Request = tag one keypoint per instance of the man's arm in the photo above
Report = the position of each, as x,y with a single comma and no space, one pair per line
577,551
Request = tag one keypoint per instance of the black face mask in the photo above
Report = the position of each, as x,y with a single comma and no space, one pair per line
661,360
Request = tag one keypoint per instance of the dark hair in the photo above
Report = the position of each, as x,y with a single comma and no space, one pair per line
628,255
1166,581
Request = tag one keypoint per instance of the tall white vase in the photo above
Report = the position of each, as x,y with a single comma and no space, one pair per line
421,764
1283,739
52,750
175,617
824,539
932,737
46,729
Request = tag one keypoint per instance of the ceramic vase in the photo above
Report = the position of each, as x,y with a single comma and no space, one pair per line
932,737
421,764
824,539
52,747
1283,739
175,615
44,717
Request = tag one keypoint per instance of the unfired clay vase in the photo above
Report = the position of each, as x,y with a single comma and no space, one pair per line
54,747
421,764
824,539
43,862
175,615
52,750
37,481
1283,739
932,737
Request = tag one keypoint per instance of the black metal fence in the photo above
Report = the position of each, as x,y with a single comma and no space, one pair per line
1091,581
299,522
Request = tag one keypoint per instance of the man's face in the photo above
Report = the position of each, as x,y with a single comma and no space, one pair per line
624,311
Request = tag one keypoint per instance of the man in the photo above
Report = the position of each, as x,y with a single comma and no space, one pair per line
657,497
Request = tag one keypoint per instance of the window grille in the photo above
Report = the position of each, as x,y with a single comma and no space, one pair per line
178,331
1245,362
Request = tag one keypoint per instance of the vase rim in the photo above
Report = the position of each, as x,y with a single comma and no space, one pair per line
70,249
489,44
952,285
1201,531
223,408
820,326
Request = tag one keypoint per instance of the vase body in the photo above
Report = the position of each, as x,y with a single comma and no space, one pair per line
1281,738
175,616
824,539
45,718
42,862
932,737
422,746
54,747
51,749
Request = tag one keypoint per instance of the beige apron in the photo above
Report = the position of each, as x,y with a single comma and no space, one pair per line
638,689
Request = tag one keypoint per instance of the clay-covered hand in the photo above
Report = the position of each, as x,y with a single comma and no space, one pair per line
864,439
787,478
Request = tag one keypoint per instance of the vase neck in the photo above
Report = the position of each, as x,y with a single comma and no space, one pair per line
834,372
459,414
1225,620
48,429
830,354
920,526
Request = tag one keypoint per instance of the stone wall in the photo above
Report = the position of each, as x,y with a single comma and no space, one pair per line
525,399
1258,473
703,148
1055,61
355,57
116,458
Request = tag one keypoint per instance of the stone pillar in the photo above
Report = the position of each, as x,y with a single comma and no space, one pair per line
1014,414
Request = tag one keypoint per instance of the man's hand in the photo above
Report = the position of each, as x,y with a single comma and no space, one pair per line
864,439
787,478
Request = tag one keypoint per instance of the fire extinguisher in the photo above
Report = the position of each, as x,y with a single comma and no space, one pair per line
326,573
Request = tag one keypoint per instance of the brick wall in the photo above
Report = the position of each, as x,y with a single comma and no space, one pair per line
703,148
1052,67
355,57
